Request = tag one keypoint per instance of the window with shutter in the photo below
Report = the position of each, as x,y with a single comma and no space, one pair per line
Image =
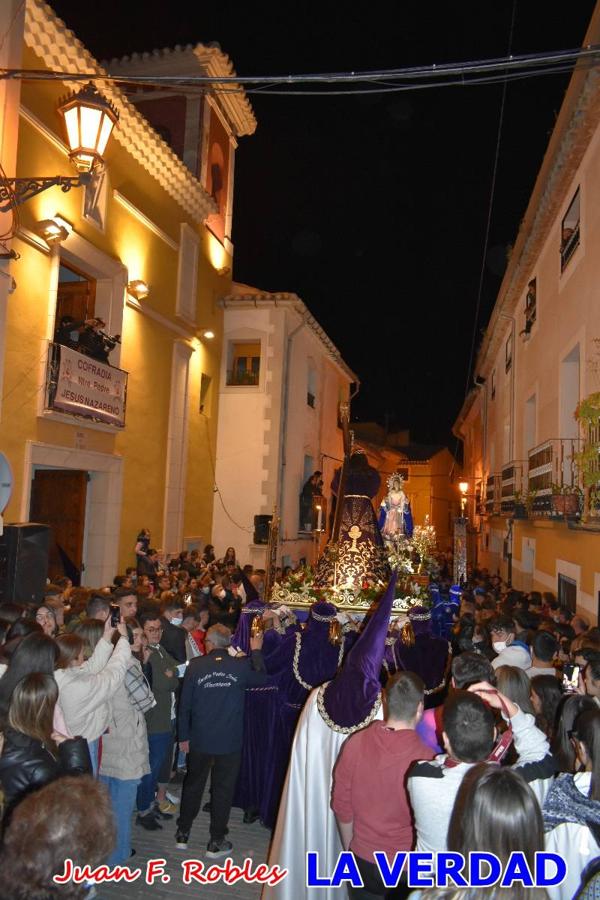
187,276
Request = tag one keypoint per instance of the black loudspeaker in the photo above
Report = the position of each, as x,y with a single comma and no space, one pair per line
261,529
24,562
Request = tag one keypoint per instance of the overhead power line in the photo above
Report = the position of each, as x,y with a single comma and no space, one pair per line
411,78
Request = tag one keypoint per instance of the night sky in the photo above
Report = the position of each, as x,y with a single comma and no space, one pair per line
373,209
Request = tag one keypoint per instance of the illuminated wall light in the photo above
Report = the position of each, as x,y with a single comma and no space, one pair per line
208,334
218,256
138,289
52,231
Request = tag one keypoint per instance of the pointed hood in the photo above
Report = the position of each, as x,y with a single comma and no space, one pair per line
420,619
352,699
241,636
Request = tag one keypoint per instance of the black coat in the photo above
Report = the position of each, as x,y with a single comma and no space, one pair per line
174,640
26,764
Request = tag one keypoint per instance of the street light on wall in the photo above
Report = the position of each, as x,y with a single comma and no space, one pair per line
89,121
463,487
138,289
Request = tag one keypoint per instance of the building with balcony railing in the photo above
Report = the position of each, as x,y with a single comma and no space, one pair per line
108,415
529,426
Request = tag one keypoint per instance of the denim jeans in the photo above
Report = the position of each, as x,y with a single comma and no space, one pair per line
94,748
158,746
122,797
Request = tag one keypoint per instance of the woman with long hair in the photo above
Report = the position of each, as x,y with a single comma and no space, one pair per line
229,559
208,556
34,753
91,630
563,750
514,683
572,806
46,617
546,694
495,812
85,688
35,653
124,759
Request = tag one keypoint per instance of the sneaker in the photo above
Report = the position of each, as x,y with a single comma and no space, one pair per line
172,798
215,850
181,839
148,821
164,810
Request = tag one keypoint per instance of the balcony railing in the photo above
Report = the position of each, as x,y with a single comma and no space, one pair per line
492,494
514,483
247,377
550,466
78,385
552,463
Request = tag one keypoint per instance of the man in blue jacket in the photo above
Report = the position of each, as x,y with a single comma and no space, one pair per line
211,725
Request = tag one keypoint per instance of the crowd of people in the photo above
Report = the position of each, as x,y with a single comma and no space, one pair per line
181,668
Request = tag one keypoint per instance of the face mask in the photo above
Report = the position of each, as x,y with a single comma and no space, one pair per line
74,335
177,621
499,646
206,589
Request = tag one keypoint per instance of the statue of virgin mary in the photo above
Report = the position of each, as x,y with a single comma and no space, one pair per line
395,516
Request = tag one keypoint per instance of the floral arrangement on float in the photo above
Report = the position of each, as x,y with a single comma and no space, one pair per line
413,559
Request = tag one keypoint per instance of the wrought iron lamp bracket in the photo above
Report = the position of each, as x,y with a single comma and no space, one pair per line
16,191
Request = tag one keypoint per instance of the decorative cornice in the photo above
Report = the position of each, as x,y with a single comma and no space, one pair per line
198,59
50,39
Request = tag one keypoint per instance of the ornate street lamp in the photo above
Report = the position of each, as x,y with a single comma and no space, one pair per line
89,121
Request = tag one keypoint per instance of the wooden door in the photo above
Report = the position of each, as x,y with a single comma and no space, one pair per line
75,297
58,499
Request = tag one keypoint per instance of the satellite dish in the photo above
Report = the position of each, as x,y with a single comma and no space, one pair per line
6,482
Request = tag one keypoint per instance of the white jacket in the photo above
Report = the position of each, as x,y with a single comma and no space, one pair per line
84,691
125,746
575,843
515,654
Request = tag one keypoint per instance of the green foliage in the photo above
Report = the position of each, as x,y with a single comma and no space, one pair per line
588,409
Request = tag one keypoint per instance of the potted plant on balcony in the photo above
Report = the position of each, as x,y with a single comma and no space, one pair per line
523,504
588,460
566,500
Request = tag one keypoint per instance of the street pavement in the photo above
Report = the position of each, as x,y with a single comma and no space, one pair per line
249,842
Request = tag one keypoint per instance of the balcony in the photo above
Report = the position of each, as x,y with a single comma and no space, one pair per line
513,485
552,464
492,495
82,387
237,378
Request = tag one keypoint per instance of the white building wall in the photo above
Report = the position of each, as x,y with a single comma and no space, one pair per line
251,452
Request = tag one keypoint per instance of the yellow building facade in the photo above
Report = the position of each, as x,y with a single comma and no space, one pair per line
533,466
160,212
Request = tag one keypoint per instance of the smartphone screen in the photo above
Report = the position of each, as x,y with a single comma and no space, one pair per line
115,615
570,677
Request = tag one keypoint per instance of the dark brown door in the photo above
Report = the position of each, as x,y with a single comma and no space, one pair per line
58,499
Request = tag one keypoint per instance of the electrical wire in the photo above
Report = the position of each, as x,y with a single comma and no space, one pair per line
474,72
216,487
